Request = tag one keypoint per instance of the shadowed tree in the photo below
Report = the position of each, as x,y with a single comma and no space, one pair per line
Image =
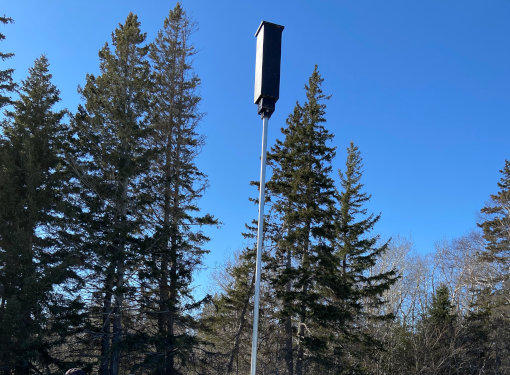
493,302
173,186
7,85
496,227
111,158
35,259
302,266
358,252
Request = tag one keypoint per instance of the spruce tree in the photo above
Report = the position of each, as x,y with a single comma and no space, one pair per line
110,160
7,85
302,194
496,226
441,311
357,251
226,320
486,337
174,186
492,301
35,259
438,349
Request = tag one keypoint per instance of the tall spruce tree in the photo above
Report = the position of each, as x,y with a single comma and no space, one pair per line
174,187
111,158
493,303
35,260
7,85
357,251
496,226
302,266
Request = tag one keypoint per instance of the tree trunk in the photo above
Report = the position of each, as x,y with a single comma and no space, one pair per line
104,368
301,335
119,286
289,360
174,265
170,370
302,315
163,311
117,320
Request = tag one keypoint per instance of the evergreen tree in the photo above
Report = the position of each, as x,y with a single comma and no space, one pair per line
302,267
492,302
35,260
226,329
227,319
441,310
496,226
174,187
438,349
7,85
110,160
357,252
486,338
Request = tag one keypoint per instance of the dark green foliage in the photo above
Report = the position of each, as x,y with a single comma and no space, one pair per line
496,226
439,349
34,258
227,331
357,251
110,160
7,85
227,328
303,269
227,320
441,311
173,187
493,305
483,335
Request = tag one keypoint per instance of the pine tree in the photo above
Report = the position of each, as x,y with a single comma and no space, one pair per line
174,187
7,85
35,260
302,193
110,160
357,252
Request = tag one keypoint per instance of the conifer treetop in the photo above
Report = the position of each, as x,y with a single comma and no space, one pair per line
7,85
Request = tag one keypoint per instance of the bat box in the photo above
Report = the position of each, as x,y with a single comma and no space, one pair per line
267,67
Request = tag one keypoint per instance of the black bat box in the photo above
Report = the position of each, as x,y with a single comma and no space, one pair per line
267,66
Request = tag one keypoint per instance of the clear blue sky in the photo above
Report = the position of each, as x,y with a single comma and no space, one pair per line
422,87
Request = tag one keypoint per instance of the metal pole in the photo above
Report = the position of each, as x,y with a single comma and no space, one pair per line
260,246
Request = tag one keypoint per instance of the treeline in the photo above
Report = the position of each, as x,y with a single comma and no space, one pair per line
101,232
338,300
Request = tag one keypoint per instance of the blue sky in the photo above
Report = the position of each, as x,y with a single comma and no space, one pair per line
422,87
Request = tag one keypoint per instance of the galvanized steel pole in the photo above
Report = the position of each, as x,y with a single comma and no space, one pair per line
260,246
267,92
